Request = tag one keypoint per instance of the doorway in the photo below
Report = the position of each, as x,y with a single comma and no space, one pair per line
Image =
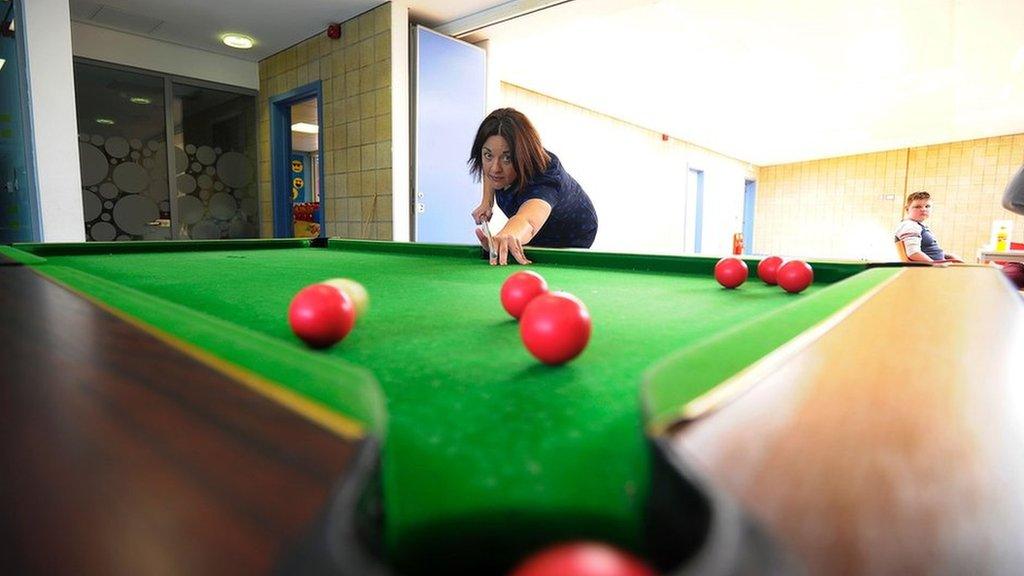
296,167
694,210
749,200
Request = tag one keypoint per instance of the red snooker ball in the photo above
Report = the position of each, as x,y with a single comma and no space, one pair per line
768,268
582,559
555,327
731,272
321,315
519,289
795,275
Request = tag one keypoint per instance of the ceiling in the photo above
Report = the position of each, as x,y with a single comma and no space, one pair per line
772,82
763,81
274,24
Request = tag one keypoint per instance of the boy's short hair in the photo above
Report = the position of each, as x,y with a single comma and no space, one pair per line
922,195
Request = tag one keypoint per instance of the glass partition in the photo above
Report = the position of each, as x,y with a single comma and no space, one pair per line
122,154
215,163
123,122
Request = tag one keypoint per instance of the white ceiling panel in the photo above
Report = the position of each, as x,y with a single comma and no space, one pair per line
780,81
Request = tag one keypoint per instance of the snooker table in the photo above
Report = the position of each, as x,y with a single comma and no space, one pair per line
182,426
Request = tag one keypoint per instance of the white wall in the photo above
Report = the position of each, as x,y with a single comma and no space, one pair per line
637,181
109,45
46,25
400,185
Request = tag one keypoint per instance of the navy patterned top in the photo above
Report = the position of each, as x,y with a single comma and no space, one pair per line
573,220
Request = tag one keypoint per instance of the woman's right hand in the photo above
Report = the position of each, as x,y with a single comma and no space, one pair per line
482,213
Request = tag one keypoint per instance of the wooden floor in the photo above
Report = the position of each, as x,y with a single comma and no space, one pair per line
122,455
904,455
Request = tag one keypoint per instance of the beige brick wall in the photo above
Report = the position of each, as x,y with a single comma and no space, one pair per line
356,74
967,180
848,207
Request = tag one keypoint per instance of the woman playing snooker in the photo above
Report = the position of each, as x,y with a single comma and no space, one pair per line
544,204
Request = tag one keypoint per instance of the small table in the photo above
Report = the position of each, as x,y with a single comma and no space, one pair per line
1003,256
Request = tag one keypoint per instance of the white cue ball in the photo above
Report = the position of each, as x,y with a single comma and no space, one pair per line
354,290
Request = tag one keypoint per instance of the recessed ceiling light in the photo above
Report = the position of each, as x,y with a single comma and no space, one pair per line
139,100
305,128
104,121
240,41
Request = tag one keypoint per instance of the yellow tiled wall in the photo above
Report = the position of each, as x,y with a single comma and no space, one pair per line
849,207
967,180
356,74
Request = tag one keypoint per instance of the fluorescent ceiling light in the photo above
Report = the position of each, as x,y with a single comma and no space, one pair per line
104,121
240,41
305,128
139,100
2,62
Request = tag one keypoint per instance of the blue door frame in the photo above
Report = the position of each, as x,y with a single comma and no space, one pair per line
749,199
280,155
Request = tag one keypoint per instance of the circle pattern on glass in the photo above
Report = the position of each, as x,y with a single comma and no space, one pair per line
131,177
190,210
235,170
91,205
248,207
223,206
180,160
93,163
157,190
206,230
215,197
205,155
186,184
133,213
109,191
103,231
116,147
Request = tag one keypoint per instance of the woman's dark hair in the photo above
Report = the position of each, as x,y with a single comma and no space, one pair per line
528,156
